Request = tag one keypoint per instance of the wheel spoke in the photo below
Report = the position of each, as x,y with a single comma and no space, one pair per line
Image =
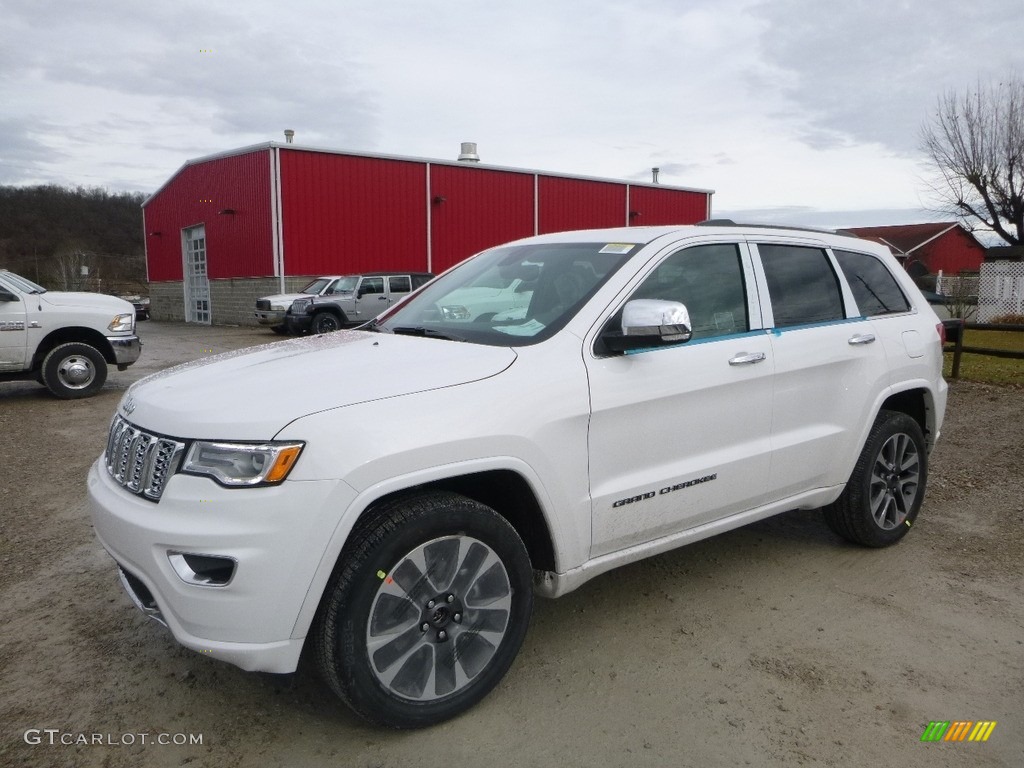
473,651
391,649
414,675
390,613
471,564
442,558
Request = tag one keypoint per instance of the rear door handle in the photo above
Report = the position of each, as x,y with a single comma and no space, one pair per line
747,358
862,338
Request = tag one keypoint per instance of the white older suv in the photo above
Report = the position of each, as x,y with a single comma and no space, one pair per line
661,386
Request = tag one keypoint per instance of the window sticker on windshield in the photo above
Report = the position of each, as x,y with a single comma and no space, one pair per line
529,328
619,248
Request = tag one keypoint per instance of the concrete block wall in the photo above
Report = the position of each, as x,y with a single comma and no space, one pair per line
232,301
167,301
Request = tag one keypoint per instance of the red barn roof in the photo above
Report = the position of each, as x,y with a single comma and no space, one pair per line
941,245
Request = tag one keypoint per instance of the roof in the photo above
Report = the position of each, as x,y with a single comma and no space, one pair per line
903,239
269,145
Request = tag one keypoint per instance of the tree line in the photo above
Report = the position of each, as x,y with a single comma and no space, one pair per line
50,233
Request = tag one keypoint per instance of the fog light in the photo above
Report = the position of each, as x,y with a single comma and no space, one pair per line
203,570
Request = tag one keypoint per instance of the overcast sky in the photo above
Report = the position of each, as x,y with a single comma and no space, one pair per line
799,110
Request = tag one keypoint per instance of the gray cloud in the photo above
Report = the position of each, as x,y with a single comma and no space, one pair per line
868,72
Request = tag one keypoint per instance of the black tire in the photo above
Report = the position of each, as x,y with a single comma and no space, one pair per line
74,370
881,500
377,591
280,330
325,322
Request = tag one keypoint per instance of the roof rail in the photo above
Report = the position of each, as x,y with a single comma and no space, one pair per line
731,223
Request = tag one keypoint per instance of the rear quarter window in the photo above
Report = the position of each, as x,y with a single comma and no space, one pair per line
872,284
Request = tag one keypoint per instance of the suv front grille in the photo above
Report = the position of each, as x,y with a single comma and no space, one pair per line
141,462
262,304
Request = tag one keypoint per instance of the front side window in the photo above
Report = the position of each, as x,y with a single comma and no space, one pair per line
873,286
708,279
511,295
371,285
801,284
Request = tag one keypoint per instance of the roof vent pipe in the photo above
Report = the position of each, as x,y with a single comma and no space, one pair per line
468,153
654,175
289,134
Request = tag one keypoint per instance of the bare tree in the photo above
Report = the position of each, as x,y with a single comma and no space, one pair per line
68,263
975,143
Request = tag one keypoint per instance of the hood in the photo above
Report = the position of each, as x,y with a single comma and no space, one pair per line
286,298
252,394
112,304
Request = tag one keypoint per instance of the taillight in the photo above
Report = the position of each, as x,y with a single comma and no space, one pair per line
942,333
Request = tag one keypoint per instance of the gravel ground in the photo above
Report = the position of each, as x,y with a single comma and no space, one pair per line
773,644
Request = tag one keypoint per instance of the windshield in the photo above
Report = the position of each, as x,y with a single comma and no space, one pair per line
346,284
509,296
21,283
314,288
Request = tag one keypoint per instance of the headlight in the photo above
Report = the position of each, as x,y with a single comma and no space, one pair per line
242,464
125,322
278,307
455,312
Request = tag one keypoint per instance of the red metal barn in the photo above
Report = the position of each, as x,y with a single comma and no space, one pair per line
228,228
927,249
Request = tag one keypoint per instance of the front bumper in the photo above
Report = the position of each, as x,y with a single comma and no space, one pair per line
276,535
126,350
297,323
270,316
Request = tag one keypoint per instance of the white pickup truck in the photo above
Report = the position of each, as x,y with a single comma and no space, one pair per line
64,341
388,500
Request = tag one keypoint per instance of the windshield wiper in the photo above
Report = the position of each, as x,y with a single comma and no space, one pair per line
419,330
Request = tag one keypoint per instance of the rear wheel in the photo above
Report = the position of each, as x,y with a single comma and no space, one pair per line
426,612
74,370
885,491
325,322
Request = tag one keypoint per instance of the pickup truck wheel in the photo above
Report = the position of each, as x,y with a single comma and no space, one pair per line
325,322
74,370
885,491
426,612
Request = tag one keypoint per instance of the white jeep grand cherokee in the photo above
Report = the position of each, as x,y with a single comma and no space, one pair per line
663,385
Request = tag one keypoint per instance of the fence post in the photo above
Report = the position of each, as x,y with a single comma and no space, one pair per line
958,350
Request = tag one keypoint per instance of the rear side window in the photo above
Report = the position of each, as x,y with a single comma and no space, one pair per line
873,286
801,284
399,284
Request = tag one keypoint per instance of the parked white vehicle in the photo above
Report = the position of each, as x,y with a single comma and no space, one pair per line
389,499
65,341
271,310
476,303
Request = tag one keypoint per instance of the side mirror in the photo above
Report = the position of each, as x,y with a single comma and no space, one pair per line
7,296
650,323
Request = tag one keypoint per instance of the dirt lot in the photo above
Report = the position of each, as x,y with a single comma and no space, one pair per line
772,644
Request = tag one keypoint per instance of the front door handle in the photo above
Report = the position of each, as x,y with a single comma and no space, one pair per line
747,358
861,338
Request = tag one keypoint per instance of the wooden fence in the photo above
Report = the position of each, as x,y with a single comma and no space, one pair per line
959,349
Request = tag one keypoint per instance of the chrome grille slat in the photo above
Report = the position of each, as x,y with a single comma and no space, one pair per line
139,461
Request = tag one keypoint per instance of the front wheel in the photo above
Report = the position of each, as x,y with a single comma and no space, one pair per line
426,612
885,491
325,322
74,370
